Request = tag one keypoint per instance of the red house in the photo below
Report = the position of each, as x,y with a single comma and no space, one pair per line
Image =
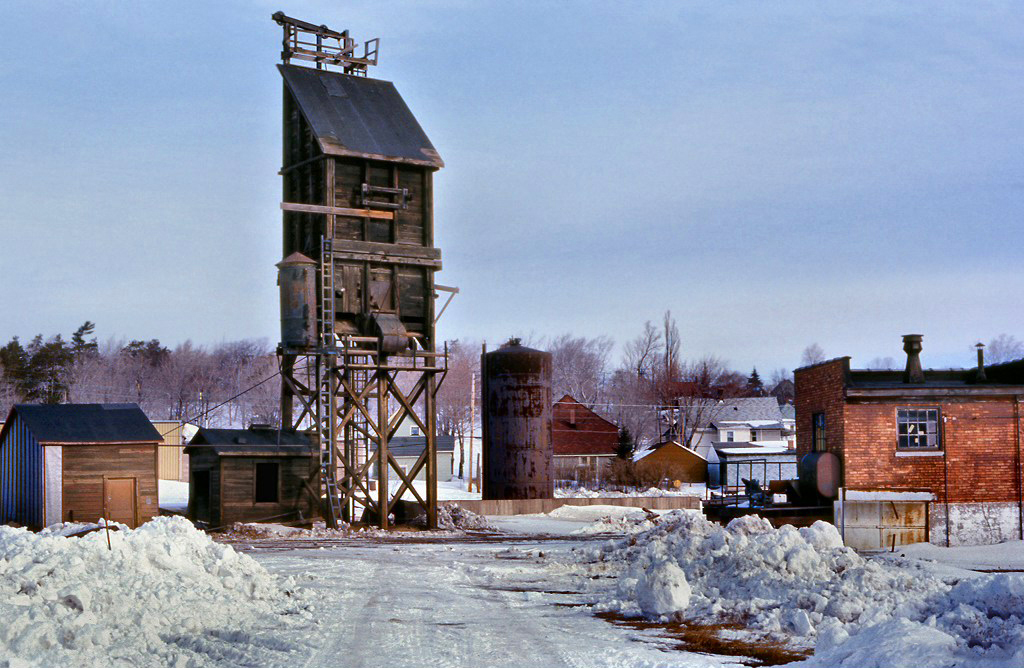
925,455
584,442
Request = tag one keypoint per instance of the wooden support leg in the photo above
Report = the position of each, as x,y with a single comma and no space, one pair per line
429,405
383,490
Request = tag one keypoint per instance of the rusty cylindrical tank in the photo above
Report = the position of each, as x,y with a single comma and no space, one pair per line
516,419
819,474
297,277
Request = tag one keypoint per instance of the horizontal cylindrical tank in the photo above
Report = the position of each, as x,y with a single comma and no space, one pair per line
819,474
297,278
517,423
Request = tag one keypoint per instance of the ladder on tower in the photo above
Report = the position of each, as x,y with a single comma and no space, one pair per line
327,419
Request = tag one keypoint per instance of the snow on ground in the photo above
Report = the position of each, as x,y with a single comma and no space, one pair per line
686,489
1008,556
494,605
578,521
804,587
173,495
162,595
450,490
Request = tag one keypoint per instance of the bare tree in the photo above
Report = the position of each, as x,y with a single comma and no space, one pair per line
812,355
671,368
641,352
455,397
708,383
882,364
1004,348
578,366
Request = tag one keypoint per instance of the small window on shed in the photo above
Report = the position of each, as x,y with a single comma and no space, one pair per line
267,482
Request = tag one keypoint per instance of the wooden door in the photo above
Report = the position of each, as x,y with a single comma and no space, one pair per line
119,500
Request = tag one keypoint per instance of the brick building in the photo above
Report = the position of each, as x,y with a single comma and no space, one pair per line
584,443
925,454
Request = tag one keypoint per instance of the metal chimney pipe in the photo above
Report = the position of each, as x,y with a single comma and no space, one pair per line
912,346
980,377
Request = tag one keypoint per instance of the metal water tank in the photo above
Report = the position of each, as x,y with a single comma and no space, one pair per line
819,474
516,406
297,277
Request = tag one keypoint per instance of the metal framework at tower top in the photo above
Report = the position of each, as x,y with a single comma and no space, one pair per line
358,353
323,46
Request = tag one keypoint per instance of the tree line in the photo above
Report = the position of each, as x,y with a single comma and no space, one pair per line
207,386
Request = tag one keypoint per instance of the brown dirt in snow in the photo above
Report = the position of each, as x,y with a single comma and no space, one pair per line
691,636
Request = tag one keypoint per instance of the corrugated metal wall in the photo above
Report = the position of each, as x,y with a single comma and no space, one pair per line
21,477
171,464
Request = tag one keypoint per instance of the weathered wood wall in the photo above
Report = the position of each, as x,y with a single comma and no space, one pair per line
310,177
233,487
86,466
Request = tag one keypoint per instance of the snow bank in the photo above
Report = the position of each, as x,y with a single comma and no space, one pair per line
164,595
455,517
687,489
803,583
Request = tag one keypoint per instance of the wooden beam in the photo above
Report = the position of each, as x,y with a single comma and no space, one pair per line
336,211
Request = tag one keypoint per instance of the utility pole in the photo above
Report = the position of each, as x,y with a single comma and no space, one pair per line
472,424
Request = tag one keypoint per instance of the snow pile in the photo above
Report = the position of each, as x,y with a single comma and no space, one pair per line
164,595
687,489
802,582
609,519
456,518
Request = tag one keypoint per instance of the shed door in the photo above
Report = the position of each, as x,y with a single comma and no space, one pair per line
119,500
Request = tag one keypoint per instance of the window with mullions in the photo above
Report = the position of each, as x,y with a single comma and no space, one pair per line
818,432
918,428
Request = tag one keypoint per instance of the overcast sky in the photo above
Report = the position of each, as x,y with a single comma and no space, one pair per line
774,173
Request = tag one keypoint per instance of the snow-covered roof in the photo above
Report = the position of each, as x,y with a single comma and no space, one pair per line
753,448
754,424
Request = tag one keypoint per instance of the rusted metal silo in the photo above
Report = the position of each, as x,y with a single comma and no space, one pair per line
517,423
297,278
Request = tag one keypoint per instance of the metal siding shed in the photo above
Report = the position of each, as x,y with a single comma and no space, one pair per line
358,116
21,475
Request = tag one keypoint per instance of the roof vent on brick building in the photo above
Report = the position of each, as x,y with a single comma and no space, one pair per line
914,374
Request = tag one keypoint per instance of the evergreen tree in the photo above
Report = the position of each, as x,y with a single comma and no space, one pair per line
754,385
80,347
626,446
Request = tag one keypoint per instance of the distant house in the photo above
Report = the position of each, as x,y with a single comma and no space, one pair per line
671,461
584,443
252,475
924,454
77,463
407,450
745,437
408,444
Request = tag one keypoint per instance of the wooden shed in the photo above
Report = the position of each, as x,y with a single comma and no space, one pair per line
673,461
77,463
252,475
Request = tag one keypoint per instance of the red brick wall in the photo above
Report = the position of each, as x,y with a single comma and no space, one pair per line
821,389
577,430
979,440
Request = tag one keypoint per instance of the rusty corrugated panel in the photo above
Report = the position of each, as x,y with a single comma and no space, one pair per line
517,416
358,116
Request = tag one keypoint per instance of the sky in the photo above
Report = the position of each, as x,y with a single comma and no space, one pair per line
774,173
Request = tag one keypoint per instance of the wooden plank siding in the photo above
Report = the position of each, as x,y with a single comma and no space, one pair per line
233,487
238,486
86,466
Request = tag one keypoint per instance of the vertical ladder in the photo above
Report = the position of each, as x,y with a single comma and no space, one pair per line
326,420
